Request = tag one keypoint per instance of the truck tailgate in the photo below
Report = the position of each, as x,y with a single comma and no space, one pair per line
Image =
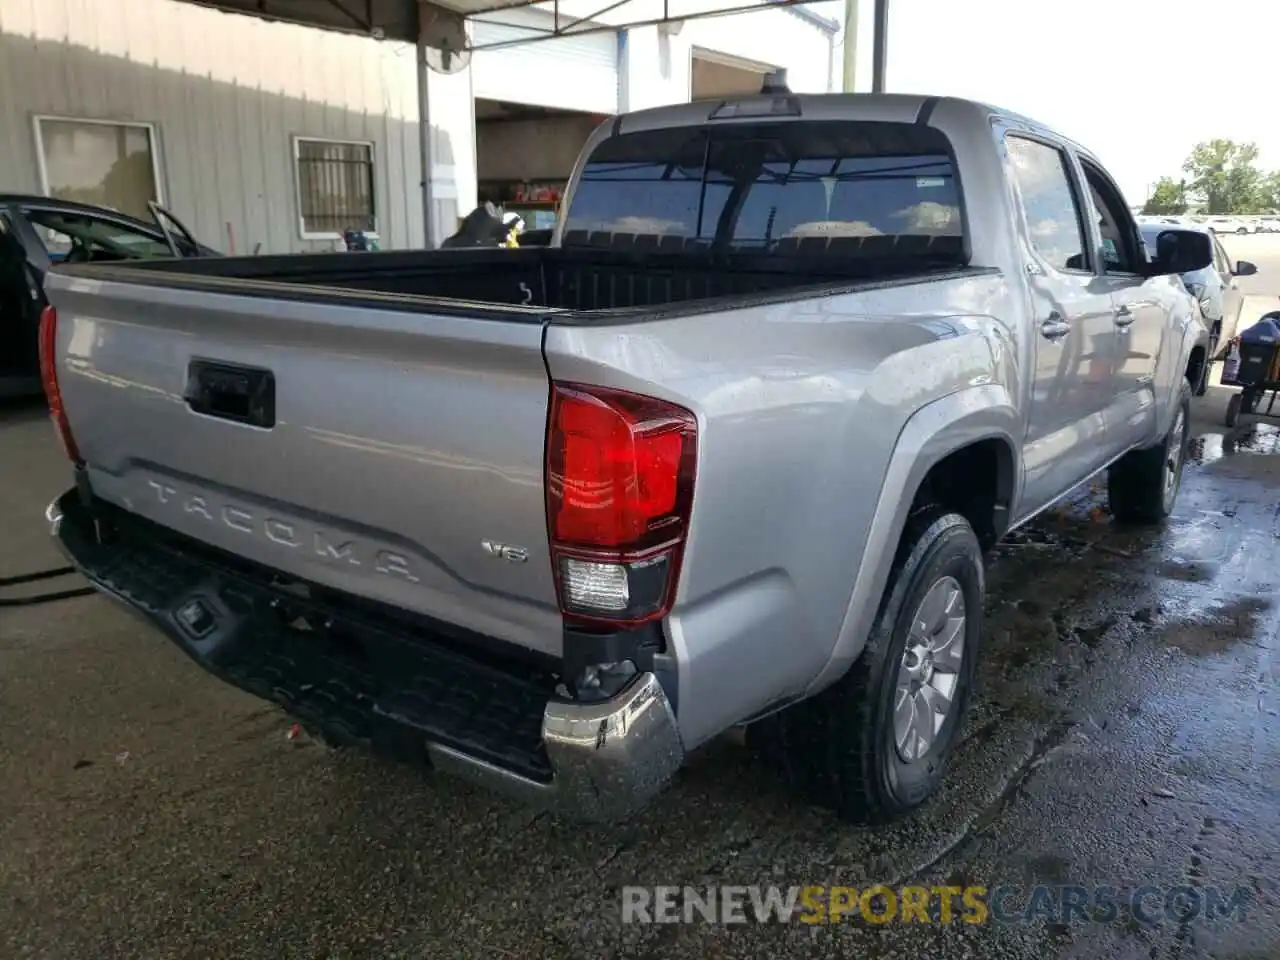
386,453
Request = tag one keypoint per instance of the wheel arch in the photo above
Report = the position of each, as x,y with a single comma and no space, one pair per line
939,436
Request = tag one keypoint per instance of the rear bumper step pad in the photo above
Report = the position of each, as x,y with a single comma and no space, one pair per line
391,687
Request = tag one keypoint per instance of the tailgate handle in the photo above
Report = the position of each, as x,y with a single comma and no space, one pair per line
233,392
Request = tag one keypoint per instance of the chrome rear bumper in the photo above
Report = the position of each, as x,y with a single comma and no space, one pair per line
609,759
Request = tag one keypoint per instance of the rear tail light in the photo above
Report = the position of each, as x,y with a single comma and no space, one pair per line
49,378
620,472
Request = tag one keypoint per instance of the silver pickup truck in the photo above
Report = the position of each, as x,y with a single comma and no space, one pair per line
727,453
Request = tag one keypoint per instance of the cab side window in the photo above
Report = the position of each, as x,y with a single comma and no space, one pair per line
1120,252
1049,203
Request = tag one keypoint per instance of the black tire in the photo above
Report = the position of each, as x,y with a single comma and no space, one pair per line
1202,379
1241,231
1233,409
1136,484
1215,337
839,748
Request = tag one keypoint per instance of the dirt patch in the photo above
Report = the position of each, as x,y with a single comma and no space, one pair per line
1092,635
1020,635
1221,628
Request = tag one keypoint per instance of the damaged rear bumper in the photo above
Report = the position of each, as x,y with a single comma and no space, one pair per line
361,676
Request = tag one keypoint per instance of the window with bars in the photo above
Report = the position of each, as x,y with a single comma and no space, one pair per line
335,187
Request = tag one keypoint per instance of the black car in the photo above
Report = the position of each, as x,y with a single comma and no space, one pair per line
37,232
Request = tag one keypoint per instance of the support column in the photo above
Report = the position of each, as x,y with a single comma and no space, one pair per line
425,151
880,46
850,46
446,135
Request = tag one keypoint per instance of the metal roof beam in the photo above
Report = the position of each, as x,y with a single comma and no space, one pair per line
365,25
586,24
399,19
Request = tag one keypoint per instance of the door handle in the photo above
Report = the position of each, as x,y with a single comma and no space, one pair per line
1054,328
1123,316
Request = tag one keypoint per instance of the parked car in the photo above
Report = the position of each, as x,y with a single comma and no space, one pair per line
729,451
1230,225
1215,289
36,232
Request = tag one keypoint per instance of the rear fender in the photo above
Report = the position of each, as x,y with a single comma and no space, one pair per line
931,434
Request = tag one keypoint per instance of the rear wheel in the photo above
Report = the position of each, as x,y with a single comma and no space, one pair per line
876,744
1142,486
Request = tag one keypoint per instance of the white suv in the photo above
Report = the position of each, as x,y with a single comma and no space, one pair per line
1231,225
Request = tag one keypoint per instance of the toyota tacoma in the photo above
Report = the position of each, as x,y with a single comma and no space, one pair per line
727,453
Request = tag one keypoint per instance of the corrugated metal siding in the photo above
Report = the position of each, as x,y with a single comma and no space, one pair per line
226,94
575,73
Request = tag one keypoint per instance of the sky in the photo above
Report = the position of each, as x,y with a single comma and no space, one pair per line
1138,82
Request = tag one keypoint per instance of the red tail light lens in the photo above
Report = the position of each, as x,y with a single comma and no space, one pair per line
620,473
49,378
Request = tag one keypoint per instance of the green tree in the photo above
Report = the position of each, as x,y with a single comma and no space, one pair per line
1225,174
1167,197
1269,192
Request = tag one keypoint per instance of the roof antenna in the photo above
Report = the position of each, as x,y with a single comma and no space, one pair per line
775,82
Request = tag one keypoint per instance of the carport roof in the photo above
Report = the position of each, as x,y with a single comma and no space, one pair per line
398,19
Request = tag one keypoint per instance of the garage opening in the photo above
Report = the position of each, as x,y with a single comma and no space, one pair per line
715,76
525,154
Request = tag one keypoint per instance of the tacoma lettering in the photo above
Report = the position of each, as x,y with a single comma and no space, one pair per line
289,534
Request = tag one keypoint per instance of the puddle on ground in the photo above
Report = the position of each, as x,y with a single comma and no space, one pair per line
1257,438
1263,438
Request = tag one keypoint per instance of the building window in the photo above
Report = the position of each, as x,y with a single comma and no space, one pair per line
104,163
335,187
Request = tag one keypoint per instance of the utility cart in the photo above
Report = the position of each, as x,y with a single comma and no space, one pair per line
1253,364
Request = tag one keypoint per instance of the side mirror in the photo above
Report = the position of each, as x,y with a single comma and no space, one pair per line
1181,251
1244,269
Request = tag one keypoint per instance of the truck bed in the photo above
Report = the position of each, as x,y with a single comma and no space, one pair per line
591,273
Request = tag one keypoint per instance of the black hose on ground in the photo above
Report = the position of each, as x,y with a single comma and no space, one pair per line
39,598
37,576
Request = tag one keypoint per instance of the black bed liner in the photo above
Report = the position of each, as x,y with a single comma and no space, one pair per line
590,281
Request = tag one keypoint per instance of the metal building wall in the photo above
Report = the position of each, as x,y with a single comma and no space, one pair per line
659,62
572,73
226,94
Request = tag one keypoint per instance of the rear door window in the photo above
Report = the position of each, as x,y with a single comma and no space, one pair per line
1049,202
848,188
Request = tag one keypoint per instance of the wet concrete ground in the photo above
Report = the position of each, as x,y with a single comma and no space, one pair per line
1126,733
